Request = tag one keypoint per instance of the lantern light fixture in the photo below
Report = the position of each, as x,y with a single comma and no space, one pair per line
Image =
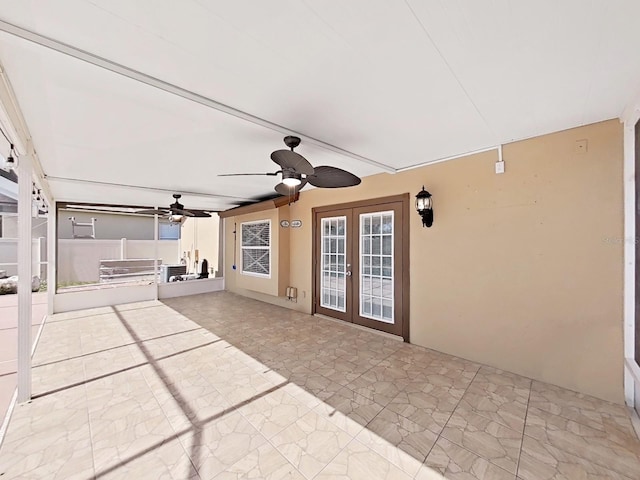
424,207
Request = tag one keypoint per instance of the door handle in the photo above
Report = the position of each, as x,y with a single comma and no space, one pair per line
348,273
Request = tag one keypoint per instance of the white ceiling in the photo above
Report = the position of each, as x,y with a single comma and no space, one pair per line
398,82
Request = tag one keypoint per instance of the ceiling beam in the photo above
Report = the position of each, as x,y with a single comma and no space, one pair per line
259,207
176,90
231,198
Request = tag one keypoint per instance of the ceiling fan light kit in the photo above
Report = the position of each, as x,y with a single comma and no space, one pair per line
291,179
296,172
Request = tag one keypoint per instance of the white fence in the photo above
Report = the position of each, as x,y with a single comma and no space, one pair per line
79,259
9,256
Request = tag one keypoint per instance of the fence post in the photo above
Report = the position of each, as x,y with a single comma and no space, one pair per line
38,259
52,255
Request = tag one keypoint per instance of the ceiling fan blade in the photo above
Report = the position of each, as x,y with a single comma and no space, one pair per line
288,159
200,213
286,190
332,177
241,174
152,212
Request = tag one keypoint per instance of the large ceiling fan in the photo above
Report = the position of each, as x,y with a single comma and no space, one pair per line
176,212
296,171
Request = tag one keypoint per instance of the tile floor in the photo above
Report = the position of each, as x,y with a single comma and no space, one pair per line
220,386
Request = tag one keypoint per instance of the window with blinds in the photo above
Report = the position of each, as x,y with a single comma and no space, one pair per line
256,248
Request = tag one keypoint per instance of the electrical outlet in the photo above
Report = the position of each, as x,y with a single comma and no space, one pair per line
499,167
581,146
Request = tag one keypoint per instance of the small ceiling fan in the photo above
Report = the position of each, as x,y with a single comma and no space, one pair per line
297,172
176,212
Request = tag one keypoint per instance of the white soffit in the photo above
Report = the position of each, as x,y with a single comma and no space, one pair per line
103,128
537,67
402,83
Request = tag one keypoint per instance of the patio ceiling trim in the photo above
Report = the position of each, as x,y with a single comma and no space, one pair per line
143,187
175,90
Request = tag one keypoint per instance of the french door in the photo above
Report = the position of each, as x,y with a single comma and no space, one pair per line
361,263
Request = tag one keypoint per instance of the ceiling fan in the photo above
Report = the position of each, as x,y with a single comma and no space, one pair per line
176,212
297,171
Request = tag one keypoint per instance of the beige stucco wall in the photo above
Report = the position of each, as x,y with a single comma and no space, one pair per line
522,271
259,287
201,234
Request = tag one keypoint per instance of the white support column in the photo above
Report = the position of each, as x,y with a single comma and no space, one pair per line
24,278
155,252
52,248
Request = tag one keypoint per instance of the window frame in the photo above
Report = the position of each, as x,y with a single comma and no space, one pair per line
243,248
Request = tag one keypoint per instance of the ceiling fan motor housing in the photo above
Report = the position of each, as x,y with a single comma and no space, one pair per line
291,141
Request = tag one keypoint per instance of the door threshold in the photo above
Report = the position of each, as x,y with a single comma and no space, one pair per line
390,336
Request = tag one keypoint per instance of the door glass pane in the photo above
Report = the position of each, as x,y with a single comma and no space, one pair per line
375,262
376,307
375,244
366,307
387,224
387,308
366,225
333,286
386,266
376,272
375,224
386,244
366,285
376,287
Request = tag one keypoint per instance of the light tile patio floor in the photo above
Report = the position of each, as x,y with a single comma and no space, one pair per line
221,386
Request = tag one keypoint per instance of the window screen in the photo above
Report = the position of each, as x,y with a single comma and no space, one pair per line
256,248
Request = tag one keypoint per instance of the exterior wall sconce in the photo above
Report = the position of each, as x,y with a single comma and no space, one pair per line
424,206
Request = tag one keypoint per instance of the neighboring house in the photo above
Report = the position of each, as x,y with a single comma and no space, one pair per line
114,225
